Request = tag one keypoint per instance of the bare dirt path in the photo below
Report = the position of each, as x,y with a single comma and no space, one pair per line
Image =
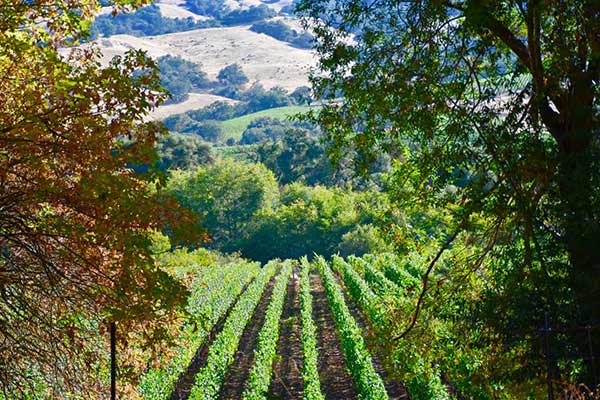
394,389
286,383
336,383
186,380
236,378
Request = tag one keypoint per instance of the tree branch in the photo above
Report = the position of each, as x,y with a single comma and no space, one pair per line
425,279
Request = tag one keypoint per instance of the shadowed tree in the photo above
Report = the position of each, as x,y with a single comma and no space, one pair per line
497,99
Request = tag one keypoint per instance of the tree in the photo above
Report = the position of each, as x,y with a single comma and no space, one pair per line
210,130
295,156
183,151
248,15
227,194
181,77
498,100
74,218
302,95
312,220
232,75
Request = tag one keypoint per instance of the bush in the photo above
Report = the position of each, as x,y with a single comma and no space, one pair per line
302,95
248,16
281,31
183,151
232,75
212,8
145,21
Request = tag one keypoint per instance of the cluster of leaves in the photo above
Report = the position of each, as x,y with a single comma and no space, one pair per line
221,353
369,384
403,276
310,372
146,21
281,31
310,220
213,291
376,279
295,154
265,129
259,378
244,210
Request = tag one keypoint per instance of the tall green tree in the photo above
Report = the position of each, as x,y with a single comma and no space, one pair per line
227,194
497,100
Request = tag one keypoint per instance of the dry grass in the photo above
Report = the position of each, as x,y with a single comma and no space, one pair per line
263,59
194,102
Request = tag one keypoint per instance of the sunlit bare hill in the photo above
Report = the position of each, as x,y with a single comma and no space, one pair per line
264,59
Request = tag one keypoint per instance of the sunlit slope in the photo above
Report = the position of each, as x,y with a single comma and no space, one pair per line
263,58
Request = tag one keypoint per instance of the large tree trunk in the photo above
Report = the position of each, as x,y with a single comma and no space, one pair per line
582,231
579,183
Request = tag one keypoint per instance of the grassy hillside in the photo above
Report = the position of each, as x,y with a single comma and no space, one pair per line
233,128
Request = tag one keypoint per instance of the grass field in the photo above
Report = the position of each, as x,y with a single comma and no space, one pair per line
233,128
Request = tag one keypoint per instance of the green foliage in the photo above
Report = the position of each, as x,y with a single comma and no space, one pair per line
361,240
259,378
145,21
227,194
310,372
490,111
257,98
421,383
297,156
362,294
309,220
281,31
208,130
264,129
376,279
369,384
401,274
221,353
232,75
178,151
75,218
181,77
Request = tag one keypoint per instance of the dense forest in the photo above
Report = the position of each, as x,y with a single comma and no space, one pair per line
421,220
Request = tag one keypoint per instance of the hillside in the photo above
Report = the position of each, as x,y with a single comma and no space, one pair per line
264,59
